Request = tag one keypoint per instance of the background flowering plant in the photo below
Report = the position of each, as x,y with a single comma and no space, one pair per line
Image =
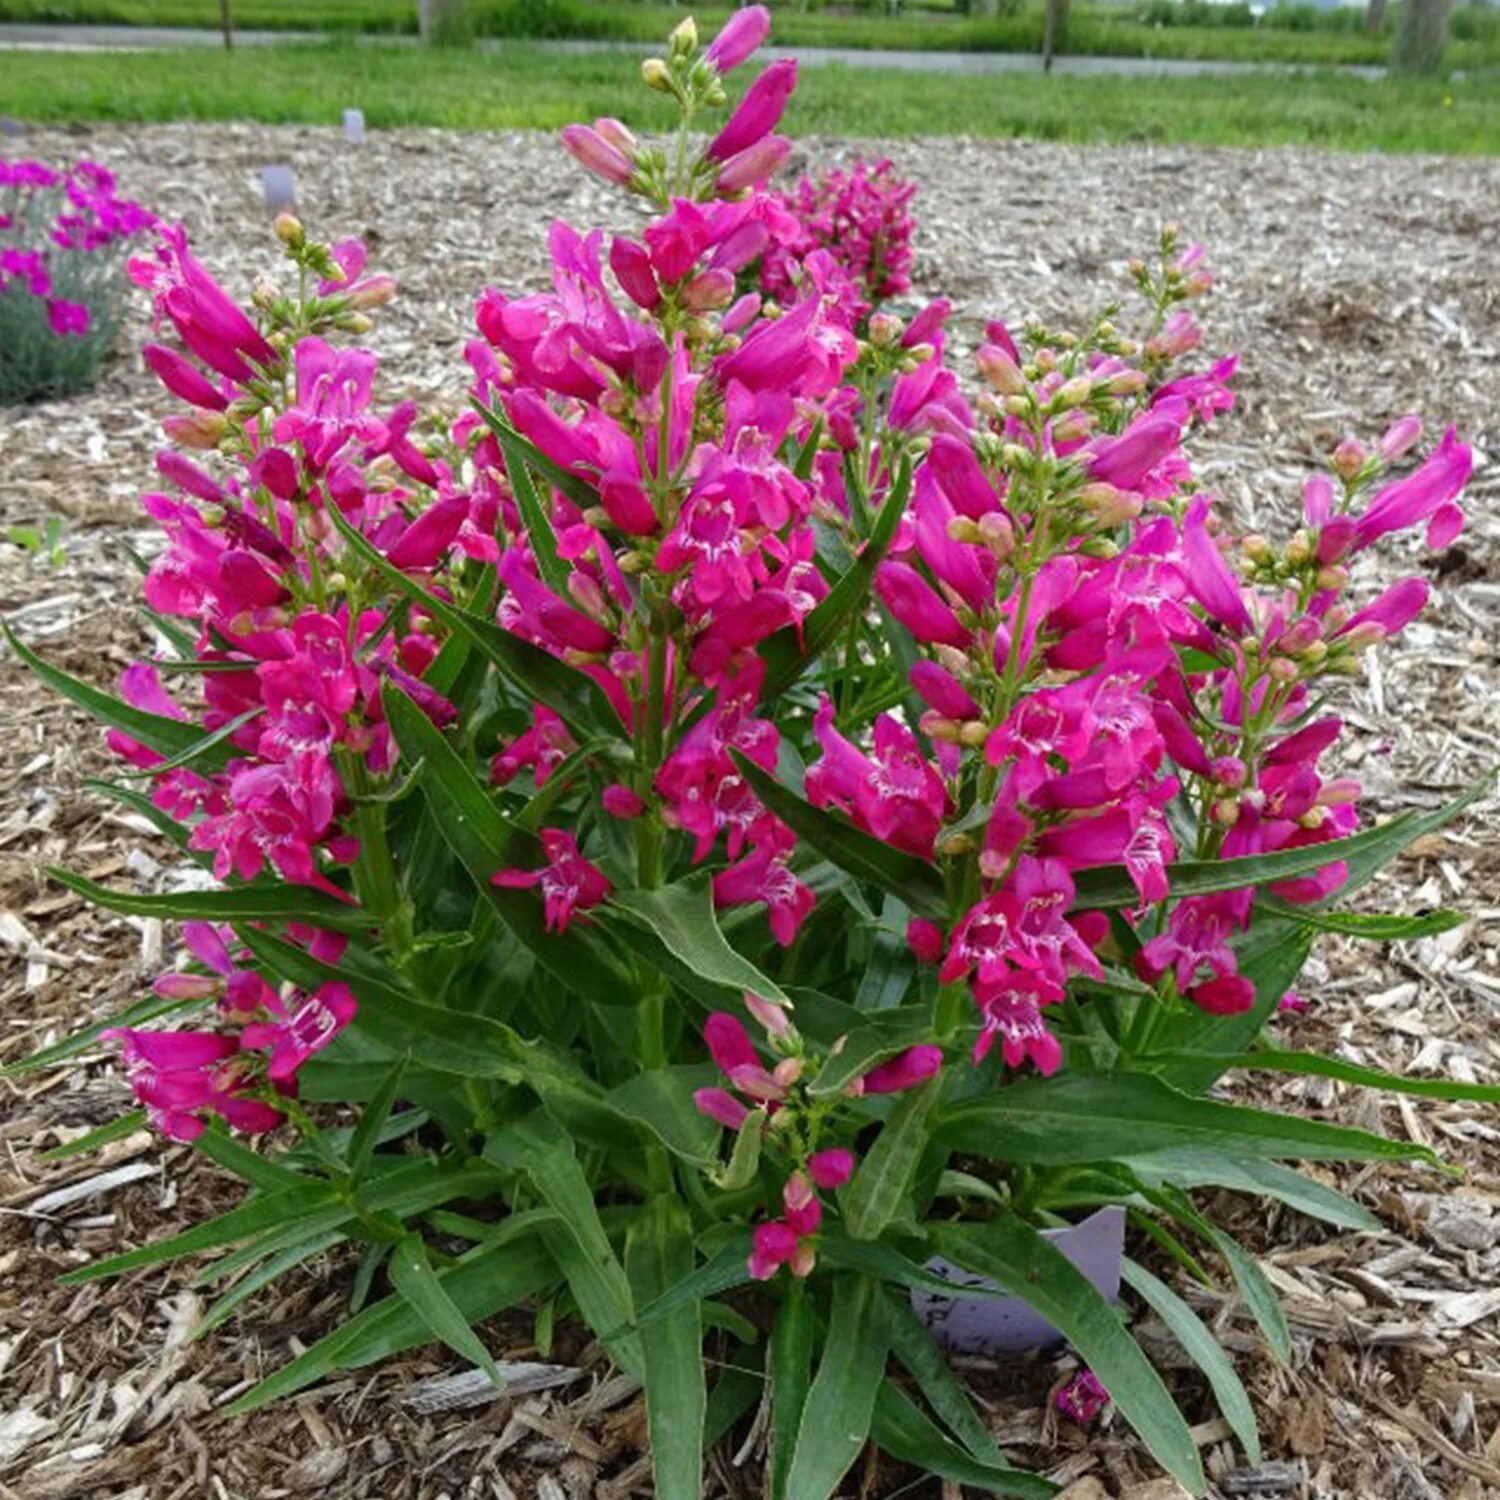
742,811
64,236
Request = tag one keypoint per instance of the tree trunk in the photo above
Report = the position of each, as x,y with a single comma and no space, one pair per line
984,7
1054,31
226,25
443,22
1421,36
1375,16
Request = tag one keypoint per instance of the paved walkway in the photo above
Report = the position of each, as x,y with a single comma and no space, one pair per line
21,36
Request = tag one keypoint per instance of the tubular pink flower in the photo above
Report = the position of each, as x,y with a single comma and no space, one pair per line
775,1244
569,882
182,378
1418,497
1208,575
742,33
831,1169
721,1105
597,154
912,1067
916,604
755,165
757,113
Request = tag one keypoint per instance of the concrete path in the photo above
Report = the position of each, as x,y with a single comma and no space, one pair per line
16,36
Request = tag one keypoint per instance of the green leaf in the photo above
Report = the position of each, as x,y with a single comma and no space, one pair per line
262,1276
658,1255
882,1183
168,737
1111,886
841,1401
1191,1169
914,1345
1204,1349
1070,1119
1375,926
1014,1255
1260,1297
577,1241
263,1211
94,1140
903,1432
573,696
789,1361
372,1121
576,489
884,1261
263,1172
413,1276
490,1277
744,1158
484,841
660,1101
1271,1060
786,653
534,519
726,1269
682,916
242,903
912,880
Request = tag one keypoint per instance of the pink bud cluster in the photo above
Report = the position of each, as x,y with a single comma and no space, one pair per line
61,237
862,219
797,1119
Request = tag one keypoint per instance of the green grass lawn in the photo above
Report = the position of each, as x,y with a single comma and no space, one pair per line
1112,31
521,86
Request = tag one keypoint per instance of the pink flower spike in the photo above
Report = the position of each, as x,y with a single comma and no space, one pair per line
831,1169
569,882
914,1066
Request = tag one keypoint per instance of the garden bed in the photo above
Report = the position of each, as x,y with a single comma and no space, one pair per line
1371,279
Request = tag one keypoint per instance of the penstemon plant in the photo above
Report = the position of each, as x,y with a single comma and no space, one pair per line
64,236
737,816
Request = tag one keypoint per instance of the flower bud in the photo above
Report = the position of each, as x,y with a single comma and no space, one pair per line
1299,550
1073,427
1000,371
1335,576
997,534
1018,406
885,329
1229,771
373,291
1400,438
684,39
1348,458
289,231
655,74
974,733
1227,811
709,289
1283,670
1126,383
1257,548
775,1018
945,731
787,1071
1108,504
597,154
618,134
1072,393
201,429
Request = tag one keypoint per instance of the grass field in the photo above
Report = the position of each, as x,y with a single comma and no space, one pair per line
1294,34
522,86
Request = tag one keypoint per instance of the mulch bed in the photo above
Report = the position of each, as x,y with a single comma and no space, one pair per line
1357,288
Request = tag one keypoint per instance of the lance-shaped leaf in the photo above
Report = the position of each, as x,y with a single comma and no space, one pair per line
881,1185
168,737
903,875
789,1361
485,841
1376,927
1315,1065
659,1254
576,489
490,1277
792,649
1107,886
1014,1255
534,519
416,1280
1204,1349
1072,1119
258,902
574,697
841,1401
905,1433
682,916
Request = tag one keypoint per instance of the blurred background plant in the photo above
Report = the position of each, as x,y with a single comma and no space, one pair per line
64,236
